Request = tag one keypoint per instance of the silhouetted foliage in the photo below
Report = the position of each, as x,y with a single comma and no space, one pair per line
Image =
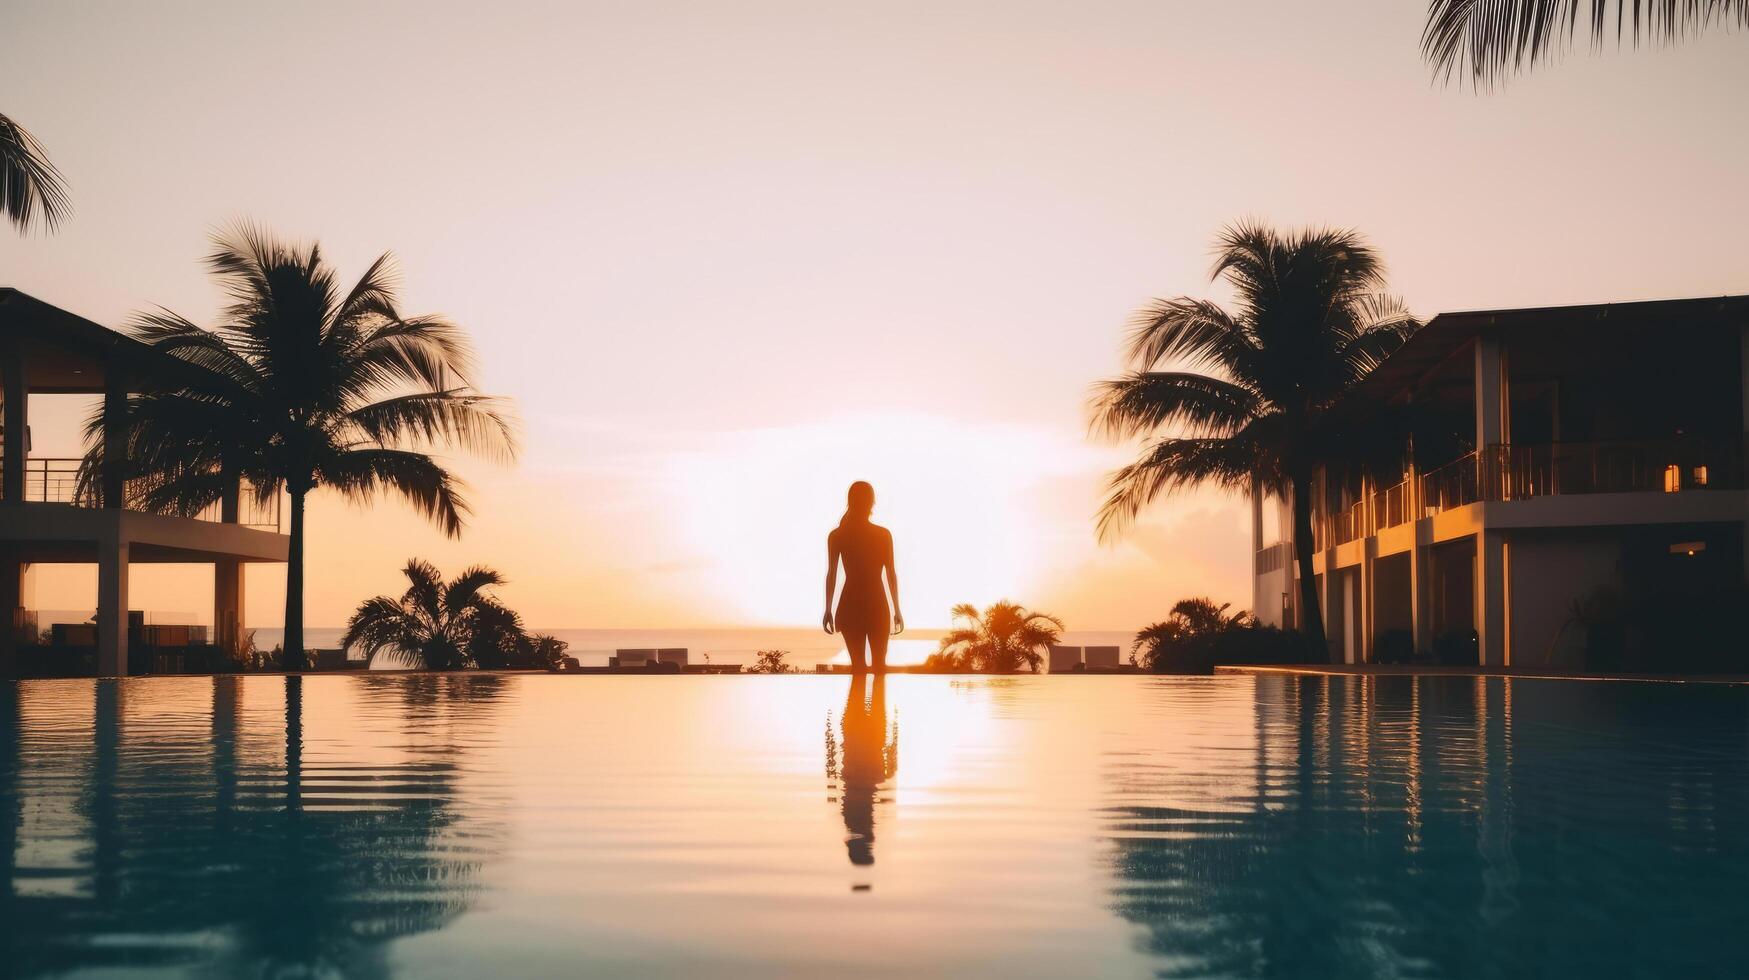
1653,631
771,662
1198,635
447,626
1487,41
31,189
1237,400
1002,639
304,386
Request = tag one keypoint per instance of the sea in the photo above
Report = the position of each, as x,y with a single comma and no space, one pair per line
805,647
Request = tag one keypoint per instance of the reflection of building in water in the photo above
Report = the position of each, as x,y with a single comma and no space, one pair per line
1395,826
204,837
862,762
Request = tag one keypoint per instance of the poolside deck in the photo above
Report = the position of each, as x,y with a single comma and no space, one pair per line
1528,673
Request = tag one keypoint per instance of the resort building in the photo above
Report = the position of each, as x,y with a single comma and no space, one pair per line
1538,468
48,514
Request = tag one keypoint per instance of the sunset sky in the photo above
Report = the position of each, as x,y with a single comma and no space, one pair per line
728,261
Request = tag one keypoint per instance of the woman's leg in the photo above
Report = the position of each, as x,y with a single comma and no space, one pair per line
877,648
856,643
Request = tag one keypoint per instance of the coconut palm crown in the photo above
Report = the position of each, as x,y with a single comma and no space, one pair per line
1236,399
444,626
31,189
306,386
1489,39
1001,639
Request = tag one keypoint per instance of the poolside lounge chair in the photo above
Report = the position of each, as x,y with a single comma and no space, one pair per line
1065,659
1102,658
635,659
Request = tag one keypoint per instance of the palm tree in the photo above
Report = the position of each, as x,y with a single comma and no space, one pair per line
1310,323
305,387
1499,37
30,186
444,625
999,640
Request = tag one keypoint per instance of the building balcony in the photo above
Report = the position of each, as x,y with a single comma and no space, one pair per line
1524,472
49,480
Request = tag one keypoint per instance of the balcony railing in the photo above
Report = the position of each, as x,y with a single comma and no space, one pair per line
1520,472
56,481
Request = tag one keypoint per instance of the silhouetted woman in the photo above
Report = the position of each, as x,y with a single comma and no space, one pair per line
866,549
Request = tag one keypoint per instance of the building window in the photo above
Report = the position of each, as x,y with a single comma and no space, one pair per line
1672,478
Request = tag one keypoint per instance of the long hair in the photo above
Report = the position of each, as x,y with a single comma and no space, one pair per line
858,504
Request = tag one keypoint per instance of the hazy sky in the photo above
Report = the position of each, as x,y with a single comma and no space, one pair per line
729,257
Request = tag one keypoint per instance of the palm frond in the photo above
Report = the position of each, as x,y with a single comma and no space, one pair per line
379,623
477,423
31,189
464,591
1192,332
1169,466
424,589
1143,401
1487,40
430,488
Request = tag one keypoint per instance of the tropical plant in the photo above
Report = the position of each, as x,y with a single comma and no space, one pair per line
1487,40
30,186
772,662
304,387
1190,625
446,626
1002,639
545,650
1242,396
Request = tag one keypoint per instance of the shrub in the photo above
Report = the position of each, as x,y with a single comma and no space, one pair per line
772,662
1199,634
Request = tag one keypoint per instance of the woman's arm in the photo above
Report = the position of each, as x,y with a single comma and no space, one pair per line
831,579
893,587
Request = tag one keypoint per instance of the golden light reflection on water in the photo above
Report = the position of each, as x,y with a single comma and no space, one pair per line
419,825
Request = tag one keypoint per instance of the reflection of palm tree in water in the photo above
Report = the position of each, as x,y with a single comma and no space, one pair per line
308,866
870,758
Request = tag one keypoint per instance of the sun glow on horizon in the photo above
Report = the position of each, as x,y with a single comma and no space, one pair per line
962,500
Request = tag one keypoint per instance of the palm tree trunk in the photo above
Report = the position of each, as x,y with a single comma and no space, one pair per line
1311,613
293,649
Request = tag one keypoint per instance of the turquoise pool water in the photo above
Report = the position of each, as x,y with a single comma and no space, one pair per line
506,826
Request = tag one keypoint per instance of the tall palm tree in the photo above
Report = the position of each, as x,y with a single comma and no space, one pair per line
446,626
1000,640
1487,39
305,387
1241,395
30,186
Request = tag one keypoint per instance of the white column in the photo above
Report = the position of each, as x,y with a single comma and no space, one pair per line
1743,386
1420,595
228,604
17,421
1490,392
112,608
11,601
1369,583
1493,598
1256,546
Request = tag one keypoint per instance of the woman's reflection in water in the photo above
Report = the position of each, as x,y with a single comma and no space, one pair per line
870,758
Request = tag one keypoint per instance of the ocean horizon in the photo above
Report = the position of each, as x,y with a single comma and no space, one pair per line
806,647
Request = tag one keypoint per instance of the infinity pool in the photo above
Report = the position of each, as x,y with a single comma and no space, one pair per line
483,825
